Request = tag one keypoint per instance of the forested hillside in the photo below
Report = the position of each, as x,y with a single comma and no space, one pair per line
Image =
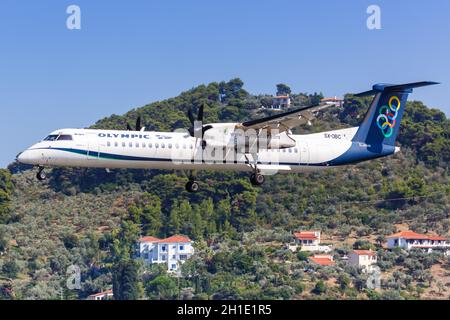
92,219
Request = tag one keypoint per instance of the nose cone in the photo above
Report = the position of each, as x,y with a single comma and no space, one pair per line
26,157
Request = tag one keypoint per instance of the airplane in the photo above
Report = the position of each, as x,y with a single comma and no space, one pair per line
261,147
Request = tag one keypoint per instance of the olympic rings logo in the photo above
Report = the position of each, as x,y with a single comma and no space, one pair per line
387,118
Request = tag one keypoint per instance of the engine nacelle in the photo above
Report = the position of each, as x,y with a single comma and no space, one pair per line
227,136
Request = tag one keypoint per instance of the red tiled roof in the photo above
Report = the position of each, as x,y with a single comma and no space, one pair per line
323,260
306,235
436,238
102,293
364,252
149,239
413,235
281,97
331,99
176,238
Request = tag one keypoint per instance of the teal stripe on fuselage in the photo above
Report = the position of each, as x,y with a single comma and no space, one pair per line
112,156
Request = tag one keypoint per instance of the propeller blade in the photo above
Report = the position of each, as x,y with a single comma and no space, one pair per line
191,116
138,124
200,113
206,128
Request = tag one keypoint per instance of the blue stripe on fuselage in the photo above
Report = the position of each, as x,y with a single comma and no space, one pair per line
356,153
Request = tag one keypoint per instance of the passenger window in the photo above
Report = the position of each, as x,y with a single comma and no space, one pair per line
170,146
296,150
130,144
123,144
150,145
143,144
116,144
156,145
108,144
137,144
163,145
290,150
177,146
184,146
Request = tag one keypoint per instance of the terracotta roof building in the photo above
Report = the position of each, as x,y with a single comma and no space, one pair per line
364,259
410,240
105,295
173,251
323,259
309,240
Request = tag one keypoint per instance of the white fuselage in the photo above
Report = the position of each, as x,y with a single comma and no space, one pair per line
177,150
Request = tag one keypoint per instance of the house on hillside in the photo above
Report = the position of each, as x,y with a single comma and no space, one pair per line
281,102
411,240
105,295
322,259
364,259
332,101
172,251
308,240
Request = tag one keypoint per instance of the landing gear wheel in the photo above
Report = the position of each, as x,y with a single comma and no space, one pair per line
192,186
41,175
257,179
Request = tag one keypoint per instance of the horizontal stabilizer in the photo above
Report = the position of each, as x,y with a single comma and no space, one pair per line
385,87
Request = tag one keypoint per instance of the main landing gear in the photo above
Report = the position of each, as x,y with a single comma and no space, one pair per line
257,179
192,186
41,175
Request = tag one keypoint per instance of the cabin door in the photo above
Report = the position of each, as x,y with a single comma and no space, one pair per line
93,147
304,153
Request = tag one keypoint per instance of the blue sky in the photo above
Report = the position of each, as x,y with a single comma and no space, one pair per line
129,53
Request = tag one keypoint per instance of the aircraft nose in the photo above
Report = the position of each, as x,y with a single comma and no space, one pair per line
25,157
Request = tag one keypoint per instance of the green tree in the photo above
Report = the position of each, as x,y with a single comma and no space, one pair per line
174,223
163,287
319,288
10,269
125,281
152,219
6,188
283,89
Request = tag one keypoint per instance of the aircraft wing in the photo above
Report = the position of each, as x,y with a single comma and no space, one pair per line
286,120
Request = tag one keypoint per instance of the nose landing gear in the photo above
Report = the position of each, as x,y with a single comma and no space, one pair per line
41,175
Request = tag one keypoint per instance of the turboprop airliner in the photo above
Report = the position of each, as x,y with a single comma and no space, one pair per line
261,147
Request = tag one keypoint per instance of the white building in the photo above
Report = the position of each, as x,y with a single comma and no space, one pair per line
333,101
172,251
409,240
281,102
309,241
106,295
364,259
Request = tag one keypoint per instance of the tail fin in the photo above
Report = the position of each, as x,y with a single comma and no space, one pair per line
382,121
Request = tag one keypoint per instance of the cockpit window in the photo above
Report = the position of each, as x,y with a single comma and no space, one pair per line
55,137
64,137
51,137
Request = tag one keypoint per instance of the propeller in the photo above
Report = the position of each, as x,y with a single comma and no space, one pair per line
197,123
138,126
